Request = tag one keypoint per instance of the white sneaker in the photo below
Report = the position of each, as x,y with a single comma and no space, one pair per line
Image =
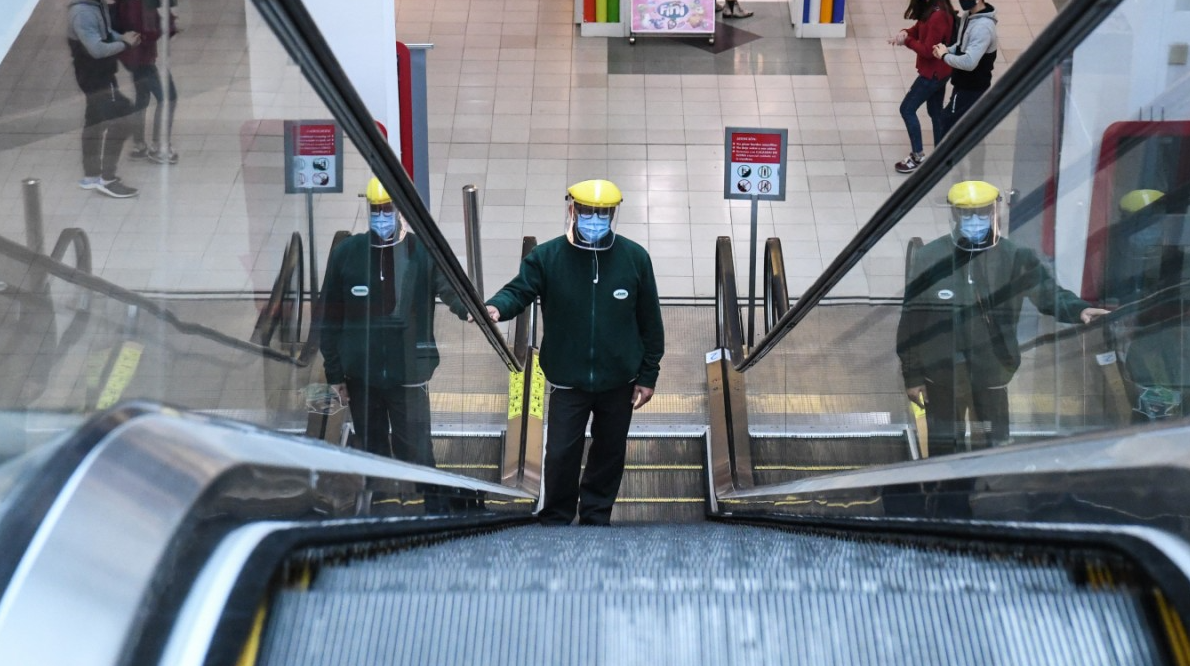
91,182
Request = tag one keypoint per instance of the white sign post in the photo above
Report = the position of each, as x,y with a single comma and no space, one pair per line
754,169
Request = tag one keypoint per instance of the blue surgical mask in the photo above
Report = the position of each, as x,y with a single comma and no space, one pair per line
593,228
975,227
384,224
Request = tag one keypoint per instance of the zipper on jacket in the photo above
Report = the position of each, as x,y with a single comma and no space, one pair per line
594,283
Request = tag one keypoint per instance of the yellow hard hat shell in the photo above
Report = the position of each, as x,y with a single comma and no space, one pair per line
376,193
1137,199
596,193
972,194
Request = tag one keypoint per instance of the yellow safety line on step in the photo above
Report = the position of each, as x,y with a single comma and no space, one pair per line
1175,631
806,468
252,646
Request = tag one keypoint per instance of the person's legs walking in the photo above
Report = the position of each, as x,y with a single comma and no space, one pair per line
93,138
934,104
914,98
605,460
568,413
143,81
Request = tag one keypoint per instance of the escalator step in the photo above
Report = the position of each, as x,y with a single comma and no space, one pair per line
828,451
710,628
468,450
666,450
703,593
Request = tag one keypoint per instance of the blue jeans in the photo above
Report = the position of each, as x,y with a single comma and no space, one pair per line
932,93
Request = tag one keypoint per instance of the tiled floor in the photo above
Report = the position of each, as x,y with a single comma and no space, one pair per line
521,106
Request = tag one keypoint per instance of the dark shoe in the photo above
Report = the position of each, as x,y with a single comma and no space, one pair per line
162,157
117,190
140,153
911,163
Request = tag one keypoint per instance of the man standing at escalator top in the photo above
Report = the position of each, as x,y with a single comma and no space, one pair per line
957,337
377,331
601,349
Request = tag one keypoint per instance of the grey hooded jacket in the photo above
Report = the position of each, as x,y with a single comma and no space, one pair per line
974,54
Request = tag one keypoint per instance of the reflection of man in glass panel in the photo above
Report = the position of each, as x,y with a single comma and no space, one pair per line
957,335
378,331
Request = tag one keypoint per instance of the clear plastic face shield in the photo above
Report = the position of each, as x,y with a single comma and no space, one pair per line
386,224
975,228
590,227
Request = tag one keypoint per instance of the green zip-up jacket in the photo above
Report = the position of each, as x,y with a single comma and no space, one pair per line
378,319
600,311
965,306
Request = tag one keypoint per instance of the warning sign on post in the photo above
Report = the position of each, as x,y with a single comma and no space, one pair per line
754,163
313,156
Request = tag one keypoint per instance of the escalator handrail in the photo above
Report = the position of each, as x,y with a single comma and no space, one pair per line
729,327
103,287
1059,38
273,311
299,34
776,285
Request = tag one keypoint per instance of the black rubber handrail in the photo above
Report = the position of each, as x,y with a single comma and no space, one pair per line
1055,43
98,285
272,315
75,238
298,33
776,286
729,326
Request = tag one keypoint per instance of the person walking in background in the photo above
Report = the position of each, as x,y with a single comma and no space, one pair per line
601,351
94,45
933,24
971,57
143,16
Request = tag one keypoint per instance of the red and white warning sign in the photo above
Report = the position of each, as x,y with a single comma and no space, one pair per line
754,163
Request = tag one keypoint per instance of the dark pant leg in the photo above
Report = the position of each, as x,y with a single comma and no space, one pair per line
93,118
369,417
409,415
114,111
917,95
961,101
934,104
163,141
605,460
945,414
144,80
990,406
568,413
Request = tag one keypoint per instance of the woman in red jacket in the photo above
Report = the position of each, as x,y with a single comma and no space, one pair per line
933,24
143,16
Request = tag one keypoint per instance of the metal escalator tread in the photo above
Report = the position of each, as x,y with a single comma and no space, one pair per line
706,594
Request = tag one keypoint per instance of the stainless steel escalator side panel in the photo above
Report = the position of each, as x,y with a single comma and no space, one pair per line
1136,478
109,542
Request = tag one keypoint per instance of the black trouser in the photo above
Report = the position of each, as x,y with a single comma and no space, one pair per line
394,423
593,495
961,101
147,81
950,398
105,128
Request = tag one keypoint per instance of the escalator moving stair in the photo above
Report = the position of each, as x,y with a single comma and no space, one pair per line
700,594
